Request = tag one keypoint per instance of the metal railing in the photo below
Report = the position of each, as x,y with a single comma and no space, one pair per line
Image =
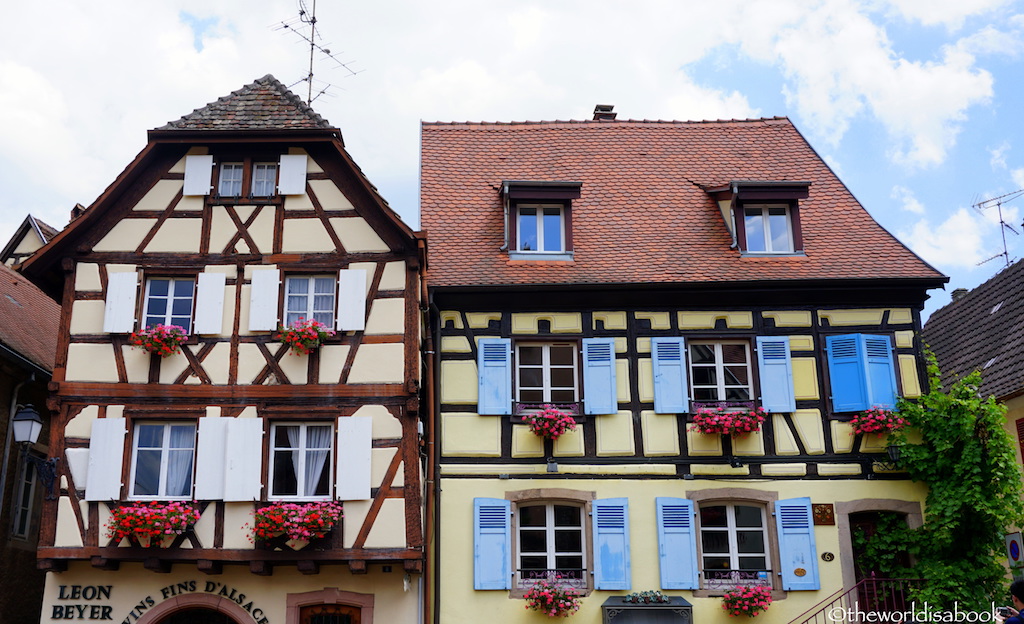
870,595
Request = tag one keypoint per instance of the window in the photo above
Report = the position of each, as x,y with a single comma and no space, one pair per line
310,297
162,455
230,180
550,538
301,460
861,372
264,175
169,302
540,228
767,229
263,179
25,501
546,373
720,371
734,546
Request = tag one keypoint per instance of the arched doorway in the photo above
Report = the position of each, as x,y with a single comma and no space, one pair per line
198,615
330,614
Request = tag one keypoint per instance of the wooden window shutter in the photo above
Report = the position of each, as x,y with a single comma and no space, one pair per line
677,543
611,543
292,174
210,303
198,175
494,370
351,300
775,368
492,543
119,313
600,392
846,373
263,300
106,450
797,551
211,450
243,459
671,392
879,371
355,440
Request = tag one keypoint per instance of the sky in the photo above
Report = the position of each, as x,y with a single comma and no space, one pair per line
914,103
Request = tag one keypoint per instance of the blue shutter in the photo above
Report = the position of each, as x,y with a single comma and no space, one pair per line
677,543
611,543
494,363
846,373
671,394
599,389
797,551
776,374
881,374
492,541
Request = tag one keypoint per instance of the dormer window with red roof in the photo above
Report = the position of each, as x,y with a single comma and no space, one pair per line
763,217
538,222
241,178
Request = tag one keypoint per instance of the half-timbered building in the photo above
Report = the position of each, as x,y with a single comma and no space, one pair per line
241,218
641,275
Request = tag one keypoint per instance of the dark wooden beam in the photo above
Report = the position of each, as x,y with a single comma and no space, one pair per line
156,564
102,563
261,568
209,567
307,566
357,566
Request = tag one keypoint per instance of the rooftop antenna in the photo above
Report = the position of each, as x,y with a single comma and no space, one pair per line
307,18
998,202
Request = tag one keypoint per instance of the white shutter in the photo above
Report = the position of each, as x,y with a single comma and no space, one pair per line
243,472
119,314
198,175
355,438
292,180
210,303
210,454
106,449
263,300
351,300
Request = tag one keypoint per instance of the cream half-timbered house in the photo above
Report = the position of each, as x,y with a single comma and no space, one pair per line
243,216
632,273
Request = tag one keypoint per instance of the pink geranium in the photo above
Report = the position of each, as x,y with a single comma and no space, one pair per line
726,421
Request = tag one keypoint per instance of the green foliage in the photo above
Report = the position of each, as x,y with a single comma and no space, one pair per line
967,459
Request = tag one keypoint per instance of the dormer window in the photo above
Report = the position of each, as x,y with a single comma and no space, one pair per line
262,179
538,224
239,178
768,228
763,217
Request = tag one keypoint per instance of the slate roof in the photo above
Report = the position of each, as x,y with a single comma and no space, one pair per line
983,330
31,320
263,105
644,214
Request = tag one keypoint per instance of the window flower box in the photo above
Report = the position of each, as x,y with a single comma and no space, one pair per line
550,423
553,597
159,339
151,524
877,420
731,421
294,525
304,335
747,601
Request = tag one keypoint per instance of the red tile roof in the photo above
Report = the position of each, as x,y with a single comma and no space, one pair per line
31,320
644,214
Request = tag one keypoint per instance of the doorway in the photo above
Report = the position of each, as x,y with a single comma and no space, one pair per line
198,616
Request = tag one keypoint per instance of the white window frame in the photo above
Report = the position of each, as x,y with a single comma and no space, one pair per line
165,449
25,501
171,298
539,216
309,311
734,555
767,240
719,367
235,188
546,368
303,449
258,180
551,553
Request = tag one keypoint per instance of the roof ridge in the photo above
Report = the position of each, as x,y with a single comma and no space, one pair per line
610,122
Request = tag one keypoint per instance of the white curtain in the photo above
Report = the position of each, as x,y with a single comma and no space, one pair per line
179,461
318,438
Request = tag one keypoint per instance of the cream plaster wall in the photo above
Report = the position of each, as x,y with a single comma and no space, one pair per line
357,236
136,364
217,362
250,363
329,195
388,529
305,235
160,196
380,460
81,425
296,367
126,235
91,362
387,316
379,363
393,277
87,277
87,317
384,425
332,361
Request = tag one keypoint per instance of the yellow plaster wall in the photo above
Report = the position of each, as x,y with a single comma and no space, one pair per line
785,443
901,315
908,376
87,277
525,443
305,235
904,339
159,197
452,317
808,427
707,320
459,383
859,316
789,318
749,444
612,320
842,436
801,343
660,434
126,235
645,379
659,320
379,363
805,378
567,323
702,444
614,434
479,320
784,470
87,317
357,236
455,344
387,316
570,444
91,362
470,435
622,380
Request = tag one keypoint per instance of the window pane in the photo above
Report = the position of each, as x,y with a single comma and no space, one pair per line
702,354
750,541
562,355
737,394
156,309
778,227
323,285
183,288
147,473
715,541
532,356
533,563
182,307
753,563
753,223
532,516
563,378
736,376
285,483
150,436
734,354
563,396
566,516
705,394
716,563
297,285
182,436
263,177
532,396
531,377
704,376
528,229
713,516
572,541
569,563
159,287
552,229
283,436
531,541
747,516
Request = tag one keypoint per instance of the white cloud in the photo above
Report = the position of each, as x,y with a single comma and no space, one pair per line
997,159
907,199
950,13
1018,177
956,242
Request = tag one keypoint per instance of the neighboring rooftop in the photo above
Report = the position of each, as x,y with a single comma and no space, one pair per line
263,105
31,321
983,330
644,213
29,237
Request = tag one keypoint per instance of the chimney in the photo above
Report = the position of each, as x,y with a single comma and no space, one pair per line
603,112
959,294
77,211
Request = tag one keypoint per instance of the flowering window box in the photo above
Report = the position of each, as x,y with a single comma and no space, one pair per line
521,410
162,340
304,335
732,421
296,526
151,524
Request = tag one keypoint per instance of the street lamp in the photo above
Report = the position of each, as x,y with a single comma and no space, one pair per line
27,425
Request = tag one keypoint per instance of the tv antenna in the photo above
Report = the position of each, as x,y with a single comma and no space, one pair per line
307,19
998,202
